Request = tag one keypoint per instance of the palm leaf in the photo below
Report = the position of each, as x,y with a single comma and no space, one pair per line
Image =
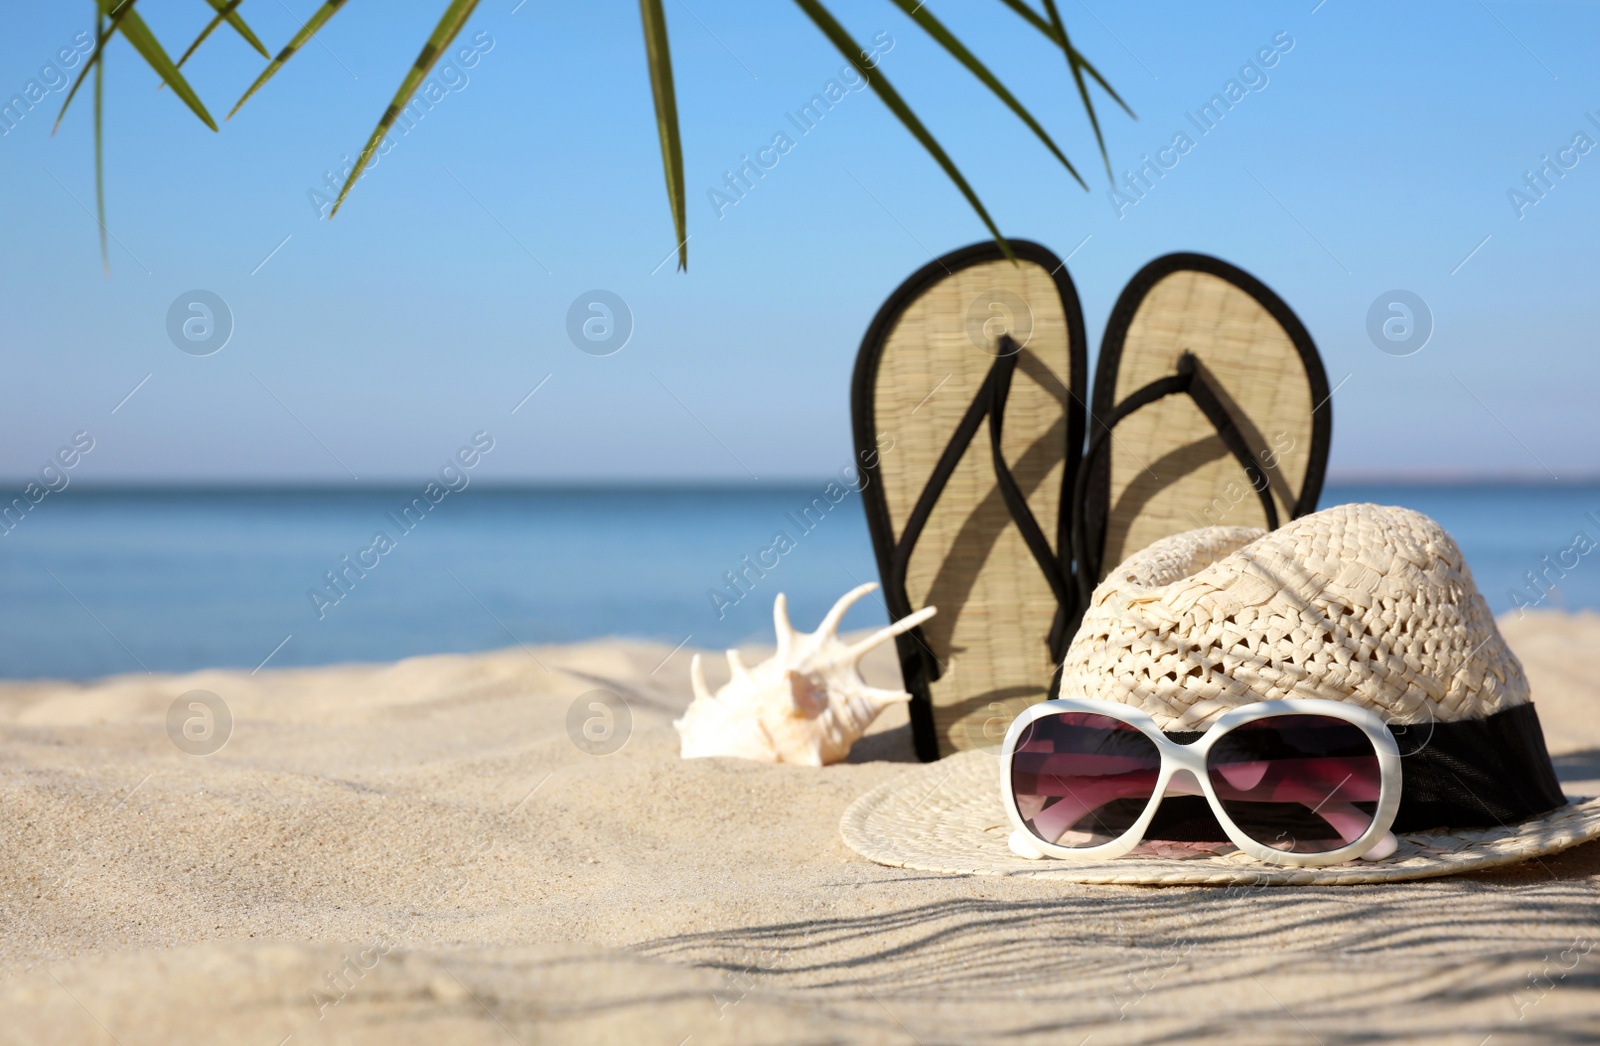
1075,63
225,11
299,40
823,20
660,59
1073,54
104,27
1076,55
934,28
99,152
455,16
236,20
136,32
1033,18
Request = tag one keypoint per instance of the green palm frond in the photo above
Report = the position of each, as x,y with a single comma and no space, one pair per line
225,8
119,16
455,16
113,16
1034,19
918,11
1077,77
105,25
123,17
136,32
660,59
823,20
1055,30
1073,54
1076,58
101,29
299,40
225,12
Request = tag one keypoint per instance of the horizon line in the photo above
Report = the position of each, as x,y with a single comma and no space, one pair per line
1342,477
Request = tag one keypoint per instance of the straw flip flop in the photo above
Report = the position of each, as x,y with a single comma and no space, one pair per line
968,409
1210,408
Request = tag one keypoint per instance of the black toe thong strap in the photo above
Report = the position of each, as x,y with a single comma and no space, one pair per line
990,402
1017,505
1190,379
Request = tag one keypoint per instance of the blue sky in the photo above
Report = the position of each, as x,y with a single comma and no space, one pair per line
1377,155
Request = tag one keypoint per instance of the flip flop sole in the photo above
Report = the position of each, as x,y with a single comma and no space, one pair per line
923,361
1169,471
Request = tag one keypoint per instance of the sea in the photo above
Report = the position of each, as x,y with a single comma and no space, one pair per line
97,582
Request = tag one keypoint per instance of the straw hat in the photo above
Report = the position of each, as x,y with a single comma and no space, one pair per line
1360,603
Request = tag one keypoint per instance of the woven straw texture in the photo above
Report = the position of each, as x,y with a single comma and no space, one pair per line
1170,472
947,817
1361,603
995,607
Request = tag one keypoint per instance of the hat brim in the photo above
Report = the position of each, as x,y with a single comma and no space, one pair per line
947,817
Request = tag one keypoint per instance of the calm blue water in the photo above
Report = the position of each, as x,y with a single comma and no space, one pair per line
100,582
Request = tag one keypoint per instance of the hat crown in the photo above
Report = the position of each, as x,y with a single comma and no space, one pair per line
1363,603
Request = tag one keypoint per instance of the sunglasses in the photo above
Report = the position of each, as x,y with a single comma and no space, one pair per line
1299,782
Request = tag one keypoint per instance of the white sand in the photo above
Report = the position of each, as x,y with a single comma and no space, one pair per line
433,820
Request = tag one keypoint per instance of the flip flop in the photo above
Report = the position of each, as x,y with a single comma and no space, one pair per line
968,405
1211,407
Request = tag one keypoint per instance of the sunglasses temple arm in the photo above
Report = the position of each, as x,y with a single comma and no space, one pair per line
1351,823
1021,844
1385,846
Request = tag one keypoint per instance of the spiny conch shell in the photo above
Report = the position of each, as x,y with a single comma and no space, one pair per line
806,704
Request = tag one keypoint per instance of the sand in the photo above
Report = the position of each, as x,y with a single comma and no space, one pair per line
420,852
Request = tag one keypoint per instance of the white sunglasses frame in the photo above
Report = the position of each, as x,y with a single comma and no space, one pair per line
1192,757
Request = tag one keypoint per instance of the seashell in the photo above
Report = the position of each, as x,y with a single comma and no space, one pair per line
806,704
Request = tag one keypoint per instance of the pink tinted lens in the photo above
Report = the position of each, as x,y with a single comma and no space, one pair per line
1081,779
1297,783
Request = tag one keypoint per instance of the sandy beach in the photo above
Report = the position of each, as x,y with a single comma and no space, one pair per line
421,852
393,386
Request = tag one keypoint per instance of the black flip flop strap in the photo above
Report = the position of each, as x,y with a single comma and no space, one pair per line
1210,403
1017,504
943,469
1189,379
990,401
